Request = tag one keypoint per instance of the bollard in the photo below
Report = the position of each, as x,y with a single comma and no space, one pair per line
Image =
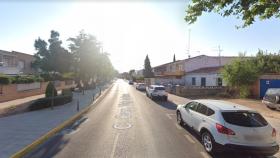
78,105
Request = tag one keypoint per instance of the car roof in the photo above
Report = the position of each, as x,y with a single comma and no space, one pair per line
157,86
222,105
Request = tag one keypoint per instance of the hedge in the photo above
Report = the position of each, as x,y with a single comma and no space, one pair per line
46,102
5,79
26,79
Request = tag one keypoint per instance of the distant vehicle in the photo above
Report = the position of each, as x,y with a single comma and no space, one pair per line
271,98
227,126
141,86
130,82
156,91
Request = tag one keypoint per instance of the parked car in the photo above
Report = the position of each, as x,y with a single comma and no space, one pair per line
130,82
271,98
156,91
141,86
228,126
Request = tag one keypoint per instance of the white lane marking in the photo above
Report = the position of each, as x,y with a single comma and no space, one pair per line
115,145
168,115
178,126
205,155
189,138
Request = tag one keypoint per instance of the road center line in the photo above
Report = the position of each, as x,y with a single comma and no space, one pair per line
178,126
205,155
189,138
115,145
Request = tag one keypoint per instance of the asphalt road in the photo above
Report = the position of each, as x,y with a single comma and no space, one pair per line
127,124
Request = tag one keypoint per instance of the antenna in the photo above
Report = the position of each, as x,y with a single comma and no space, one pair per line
219,54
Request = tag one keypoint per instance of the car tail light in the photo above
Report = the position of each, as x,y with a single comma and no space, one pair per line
274,132
222,129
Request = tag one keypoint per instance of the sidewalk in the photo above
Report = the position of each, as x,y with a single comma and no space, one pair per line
19,130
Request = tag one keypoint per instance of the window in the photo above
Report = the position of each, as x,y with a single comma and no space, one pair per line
210,112
1,89
201,109
192,106
159,88
203,82
245,119
219,82
193,81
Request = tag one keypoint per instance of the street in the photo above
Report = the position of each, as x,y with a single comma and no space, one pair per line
126,123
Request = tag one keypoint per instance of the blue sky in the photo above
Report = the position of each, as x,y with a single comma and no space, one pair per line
129,31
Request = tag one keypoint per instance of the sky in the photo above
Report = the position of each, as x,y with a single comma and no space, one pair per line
131,30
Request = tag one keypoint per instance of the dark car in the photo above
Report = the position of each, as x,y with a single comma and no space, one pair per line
130,82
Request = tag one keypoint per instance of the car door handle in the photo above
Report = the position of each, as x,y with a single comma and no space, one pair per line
203,120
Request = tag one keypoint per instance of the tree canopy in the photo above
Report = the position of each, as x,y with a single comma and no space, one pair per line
147,72
247,10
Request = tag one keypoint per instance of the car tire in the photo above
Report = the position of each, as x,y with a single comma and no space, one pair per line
179,118
208,142
165,99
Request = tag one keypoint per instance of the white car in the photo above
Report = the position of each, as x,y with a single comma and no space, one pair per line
156,91
141,86
224,125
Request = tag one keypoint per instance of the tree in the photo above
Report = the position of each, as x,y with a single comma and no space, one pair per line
174,58
245,9
241,73
52,57
147,72
267,62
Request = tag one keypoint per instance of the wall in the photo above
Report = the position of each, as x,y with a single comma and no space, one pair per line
198,91
170,80
11,91
211,79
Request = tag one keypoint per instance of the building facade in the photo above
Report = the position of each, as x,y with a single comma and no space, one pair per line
15,63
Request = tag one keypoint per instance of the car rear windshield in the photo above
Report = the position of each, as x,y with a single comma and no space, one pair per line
244,118
273,91
159,88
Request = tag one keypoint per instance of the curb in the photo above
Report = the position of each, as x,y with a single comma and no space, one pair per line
23,152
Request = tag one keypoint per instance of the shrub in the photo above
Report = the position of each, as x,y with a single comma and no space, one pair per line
26,79
50,90
47,102
5,79
51,76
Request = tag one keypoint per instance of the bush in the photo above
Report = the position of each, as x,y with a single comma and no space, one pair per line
50,90
26,79
5,79
46,102
51,76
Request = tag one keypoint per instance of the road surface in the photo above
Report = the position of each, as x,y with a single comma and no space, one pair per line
127,124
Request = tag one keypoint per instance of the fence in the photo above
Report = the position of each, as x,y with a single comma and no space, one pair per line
17,91
198,91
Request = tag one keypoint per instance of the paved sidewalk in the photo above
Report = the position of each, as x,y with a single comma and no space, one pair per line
19,130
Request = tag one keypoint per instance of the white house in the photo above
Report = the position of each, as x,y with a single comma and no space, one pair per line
205,70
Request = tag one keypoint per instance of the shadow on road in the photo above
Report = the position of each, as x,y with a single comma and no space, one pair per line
50,148
166,104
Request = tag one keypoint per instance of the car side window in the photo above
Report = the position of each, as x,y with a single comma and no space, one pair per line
191,105
210,112
202,109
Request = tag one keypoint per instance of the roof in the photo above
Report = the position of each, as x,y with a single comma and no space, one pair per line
13,53
168,63
222,105
207,70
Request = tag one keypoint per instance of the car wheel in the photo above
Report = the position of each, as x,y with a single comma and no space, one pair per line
208,142
165,99
179,118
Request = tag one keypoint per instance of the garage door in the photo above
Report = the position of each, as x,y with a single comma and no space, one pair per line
267,83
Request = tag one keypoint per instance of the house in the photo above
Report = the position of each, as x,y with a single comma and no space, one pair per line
14,63
205,70
170,73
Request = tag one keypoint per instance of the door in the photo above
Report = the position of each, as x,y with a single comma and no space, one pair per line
268,83
187,113
199,116
203,82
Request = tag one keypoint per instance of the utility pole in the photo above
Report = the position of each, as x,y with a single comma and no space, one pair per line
189,44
